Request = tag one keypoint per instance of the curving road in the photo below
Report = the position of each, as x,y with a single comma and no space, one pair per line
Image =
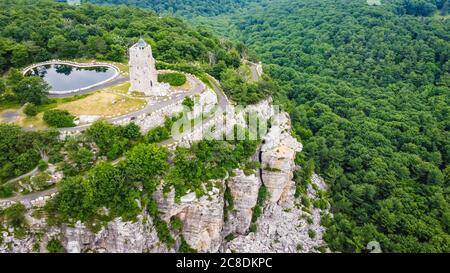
197,88
256,70
223,102
29,197
30,173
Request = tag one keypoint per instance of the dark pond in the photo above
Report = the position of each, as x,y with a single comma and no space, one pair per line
63,77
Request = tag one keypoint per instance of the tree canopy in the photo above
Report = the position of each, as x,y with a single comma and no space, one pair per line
368,93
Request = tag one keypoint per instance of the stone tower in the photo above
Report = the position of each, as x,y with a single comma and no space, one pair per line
143,75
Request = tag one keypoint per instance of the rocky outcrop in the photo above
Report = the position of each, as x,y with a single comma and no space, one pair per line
202,217
277,158
116,237
284,230
203,103
244,190
284,225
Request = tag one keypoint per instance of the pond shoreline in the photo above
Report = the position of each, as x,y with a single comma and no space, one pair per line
117,73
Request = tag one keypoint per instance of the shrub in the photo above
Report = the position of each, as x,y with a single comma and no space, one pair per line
55,246
6,191
176,224
162,230
14,216
312,234
306,201
40,181
174,79
42,165
189,103
132,131
230,237
257,210
161,133
30,109
229,203
59,118
185,247
36,247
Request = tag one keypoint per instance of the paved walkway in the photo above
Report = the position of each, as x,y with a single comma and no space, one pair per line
29,197
30,173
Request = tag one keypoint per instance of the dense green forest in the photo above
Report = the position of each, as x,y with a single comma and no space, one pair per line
367,87
188,8
210,8
32,31
368,92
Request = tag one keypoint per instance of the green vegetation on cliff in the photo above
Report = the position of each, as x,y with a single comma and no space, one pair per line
368,93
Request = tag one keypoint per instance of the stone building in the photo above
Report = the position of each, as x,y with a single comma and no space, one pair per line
143,74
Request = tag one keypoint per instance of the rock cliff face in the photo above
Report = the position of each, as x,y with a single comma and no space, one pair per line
283,225
244,190
116,237
277,158
284,229
202,218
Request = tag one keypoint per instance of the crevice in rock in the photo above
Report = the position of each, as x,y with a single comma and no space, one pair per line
260,165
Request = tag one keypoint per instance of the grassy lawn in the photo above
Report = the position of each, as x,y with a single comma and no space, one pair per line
185,87
111,101
121,88
103,104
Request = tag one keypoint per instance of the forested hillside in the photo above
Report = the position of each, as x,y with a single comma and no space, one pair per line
367,87
368,91
33,31
187,8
